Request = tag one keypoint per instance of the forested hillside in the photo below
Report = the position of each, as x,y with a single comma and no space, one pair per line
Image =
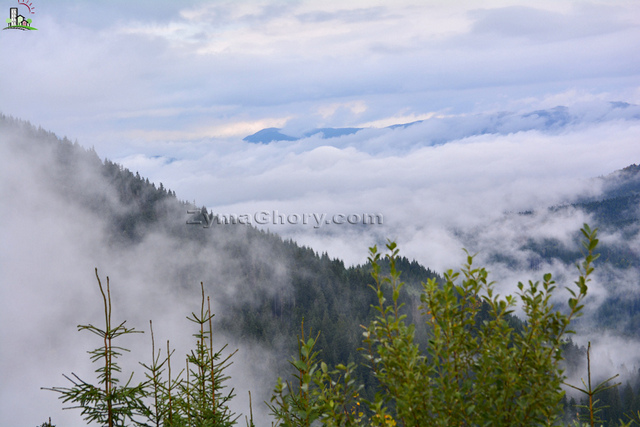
330,297
266,287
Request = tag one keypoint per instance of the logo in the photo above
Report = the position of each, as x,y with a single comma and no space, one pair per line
19,22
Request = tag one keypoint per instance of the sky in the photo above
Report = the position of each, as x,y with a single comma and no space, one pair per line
521,104
170,90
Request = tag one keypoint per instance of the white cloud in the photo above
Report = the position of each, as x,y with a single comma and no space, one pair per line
355,107
398,120
222,130
400,173
298,60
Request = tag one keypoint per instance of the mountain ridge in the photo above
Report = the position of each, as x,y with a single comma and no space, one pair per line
479,124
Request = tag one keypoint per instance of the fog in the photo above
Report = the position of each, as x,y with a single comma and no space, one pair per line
52,246
421,189
521,107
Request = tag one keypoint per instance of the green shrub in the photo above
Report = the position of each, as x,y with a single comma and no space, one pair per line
477,370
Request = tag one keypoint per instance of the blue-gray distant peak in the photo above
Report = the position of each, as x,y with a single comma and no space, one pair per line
268,135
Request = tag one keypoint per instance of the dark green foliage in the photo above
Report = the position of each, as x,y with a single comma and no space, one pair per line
613,405
591,411
316,394
329,297
162,393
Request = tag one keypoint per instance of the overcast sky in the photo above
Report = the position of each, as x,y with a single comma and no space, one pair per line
170,89
164,78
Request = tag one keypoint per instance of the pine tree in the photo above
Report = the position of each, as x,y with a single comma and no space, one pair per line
107,403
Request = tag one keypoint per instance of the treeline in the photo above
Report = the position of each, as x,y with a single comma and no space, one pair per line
128,201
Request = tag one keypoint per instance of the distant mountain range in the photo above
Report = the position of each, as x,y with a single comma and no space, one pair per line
268,135
479,124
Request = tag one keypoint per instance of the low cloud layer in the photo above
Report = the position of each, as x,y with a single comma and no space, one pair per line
441,174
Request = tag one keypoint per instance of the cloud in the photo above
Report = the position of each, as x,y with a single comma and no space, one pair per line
400,173
582,20
355,107
169,89
222,130
170,71
398,120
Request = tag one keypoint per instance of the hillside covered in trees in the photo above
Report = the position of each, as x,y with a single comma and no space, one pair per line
265,287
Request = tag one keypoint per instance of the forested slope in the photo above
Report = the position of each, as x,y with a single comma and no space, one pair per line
276,284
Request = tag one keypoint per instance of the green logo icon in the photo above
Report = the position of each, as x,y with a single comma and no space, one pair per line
19,22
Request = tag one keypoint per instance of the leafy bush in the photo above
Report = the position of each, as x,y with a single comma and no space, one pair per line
478,370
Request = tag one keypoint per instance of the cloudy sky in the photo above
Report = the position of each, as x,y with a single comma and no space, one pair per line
521,103
170,89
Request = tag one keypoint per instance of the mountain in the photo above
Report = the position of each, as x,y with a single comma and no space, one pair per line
446,128
616,210
268,135
263,287
618,206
